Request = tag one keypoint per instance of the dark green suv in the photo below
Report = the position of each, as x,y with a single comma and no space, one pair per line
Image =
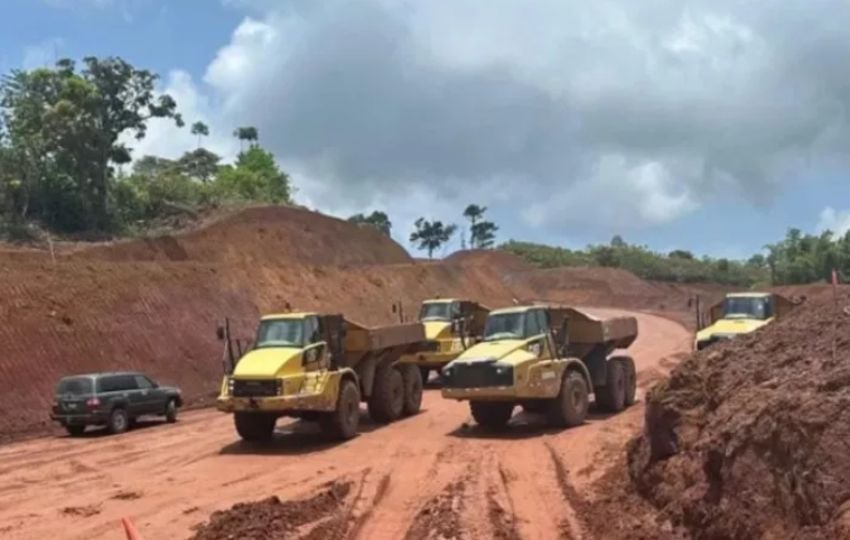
114,400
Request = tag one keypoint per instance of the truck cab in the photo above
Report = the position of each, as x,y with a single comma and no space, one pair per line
740,313
548,359
451,326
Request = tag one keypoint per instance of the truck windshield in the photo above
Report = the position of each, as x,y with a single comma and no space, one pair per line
504,326
74,386
280,333
745,308
435,311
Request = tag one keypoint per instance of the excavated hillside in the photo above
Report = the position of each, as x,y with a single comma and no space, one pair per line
153,305
751,438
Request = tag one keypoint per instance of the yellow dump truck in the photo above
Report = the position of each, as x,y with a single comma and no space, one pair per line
319,368
547,359
451,326
740,313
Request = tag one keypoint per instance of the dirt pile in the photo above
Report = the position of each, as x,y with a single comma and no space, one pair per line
751,438
265,235
272,519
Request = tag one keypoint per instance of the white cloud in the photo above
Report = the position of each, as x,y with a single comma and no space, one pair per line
837,221
613,114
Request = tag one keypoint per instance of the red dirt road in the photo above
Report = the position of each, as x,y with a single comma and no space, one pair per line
409,478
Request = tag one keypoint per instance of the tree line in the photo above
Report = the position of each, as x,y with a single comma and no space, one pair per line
63,149
431,235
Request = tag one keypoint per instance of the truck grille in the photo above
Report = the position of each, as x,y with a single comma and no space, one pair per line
248,388
479,375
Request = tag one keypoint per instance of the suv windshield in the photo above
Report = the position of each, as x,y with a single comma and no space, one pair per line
435,311
74,386
745,308
504,326
281,333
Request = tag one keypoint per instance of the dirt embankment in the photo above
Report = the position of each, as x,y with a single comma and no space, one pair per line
751,438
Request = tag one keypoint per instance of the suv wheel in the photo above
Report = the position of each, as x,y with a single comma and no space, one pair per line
171,411
118,421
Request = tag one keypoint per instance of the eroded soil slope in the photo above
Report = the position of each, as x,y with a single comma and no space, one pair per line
751,438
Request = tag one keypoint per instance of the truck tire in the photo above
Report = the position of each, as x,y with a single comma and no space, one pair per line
342,423
491,415
412,379
535,406
118,421
629,379
569,407
612,396
254,427
387,400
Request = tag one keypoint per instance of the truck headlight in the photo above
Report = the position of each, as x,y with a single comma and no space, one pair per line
230,384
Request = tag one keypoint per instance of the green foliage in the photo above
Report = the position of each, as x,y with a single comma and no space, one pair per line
641,261
481,233
62,128
376,219
201,130
431,235
256,177
200,164
804,258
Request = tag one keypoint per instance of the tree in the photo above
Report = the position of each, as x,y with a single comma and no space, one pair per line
65,128
201,130
150,166
256,177
618,242
376,219
681,254
201,164
248,133
481,233
431,235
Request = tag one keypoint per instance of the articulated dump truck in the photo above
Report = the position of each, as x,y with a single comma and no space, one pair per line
738,314
451,327
319,368
548,360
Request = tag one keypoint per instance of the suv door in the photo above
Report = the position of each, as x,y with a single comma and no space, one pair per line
151,398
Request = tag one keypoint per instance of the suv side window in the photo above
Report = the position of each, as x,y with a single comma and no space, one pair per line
117,383
142,382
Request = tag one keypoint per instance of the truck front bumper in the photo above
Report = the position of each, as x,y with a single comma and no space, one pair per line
283,404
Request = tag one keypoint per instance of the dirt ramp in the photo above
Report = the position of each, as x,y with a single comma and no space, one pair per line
751,439
273,234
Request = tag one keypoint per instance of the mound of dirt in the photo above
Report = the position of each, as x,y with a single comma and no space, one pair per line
272,235
751,438
272,518
503,260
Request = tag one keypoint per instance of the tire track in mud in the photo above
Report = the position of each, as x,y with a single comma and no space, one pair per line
572,527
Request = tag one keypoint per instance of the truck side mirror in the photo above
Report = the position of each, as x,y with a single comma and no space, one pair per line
219,332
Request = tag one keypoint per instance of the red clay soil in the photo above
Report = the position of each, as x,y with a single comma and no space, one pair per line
751,438
266,235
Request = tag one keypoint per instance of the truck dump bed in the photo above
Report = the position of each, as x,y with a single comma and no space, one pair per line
351,342
578,333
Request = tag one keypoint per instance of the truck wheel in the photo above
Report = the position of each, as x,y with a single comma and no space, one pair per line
425,373
569,408
343,422
629,379
254,426
118,421
412,379
171,411
612,396
75,431
491,415
387,400
535,406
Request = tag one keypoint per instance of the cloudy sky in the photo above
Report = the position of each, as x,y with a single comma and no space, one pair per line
710,125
